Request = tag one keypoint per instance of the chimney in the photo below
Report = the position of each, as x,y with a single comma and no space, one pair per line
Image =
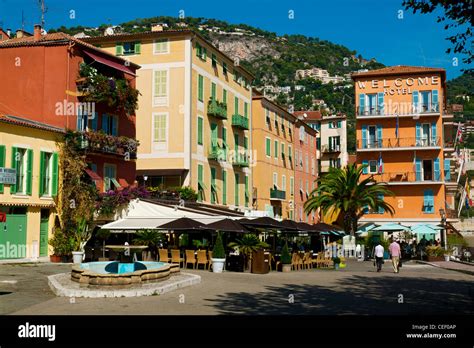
9,33
19,34
159,27
37,32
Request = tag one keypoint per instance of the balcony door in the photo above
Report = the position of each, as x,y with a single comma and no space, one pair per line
372,103
425,134
425,101
427,170
372,141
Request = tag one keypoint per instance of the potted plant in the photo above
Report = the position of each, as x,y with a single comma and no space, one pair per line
60,244
218,255
81,237
434,253
247,246
285,259
336,260
447,254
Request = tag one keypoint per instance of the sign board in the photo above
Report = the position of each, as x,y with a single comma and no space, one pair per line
8,176
3,217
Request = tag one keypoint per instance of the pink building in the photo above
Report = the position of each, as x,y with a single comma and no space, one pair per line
306,169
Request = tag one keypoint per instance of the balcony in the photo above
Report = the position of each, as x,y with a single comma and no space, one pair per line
240,121
388,144
398,110
241,160
277,194
217,153
331,149
406,178
102,143
217,109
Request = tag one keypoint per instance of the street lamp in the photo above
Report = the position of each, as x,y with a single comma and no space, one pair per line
442,213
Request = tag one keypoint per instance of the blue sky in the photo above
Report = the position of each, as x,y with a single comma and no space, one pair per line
371,27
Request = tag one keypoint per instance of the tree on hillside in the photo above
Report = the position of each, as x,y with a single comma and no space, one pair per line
457,15
343,191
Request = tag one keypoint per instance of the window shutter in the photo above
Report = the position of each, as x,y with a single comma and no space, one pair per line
95,121
200,88
414,98
364,136
434,140
447,169
224,96
434,101
236,106
379,135
55,176
436,170
428,201
418,134
246,143
2,161
105,123
361,103
267,147
14,166
213,90
138,47
380,103
80,123
119,49
29,172
224,187
246,191
418,169
200,130
114,125
365,169
41,176
339,124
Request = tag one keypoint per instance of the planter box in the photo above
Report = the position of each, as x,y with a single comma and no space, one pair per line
434,258
55,258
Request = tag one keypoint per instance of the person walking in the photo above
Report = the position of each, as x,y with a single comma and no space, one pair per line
394,250
379,250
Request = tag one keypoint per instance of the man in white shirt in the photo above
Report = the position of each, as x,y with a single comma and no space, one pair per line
379,250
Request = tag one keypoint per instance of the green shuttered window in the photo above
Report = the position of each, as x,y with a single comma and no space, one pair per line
2,162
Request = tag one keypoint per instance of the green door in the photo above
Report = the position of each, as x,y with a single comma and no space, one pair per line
44,233
13,234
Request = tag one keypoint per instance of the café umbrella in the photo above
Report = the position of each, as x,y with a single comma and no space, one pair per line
227,225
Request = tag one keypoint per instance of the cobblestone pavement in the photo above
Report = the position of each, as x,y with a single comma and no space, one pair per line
357,289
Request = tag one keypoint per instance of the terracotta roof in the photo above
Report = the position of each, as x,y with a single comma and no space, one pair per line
398,70
311,115
55,39
153,34
20,121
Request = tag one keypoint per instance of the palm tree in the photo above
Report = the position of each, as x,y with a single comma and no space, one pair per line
151,239
343,191
247,245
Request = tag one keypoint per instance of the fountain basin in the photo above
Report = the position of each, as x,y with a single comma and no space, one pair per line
116,273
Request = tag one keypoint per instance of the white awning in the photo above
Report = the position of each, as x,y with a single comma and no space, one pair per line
143,215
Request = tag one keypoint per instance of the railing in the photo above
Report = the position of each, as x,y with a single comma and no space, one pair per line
404,177
100,142
217,109
217,153
330,149
393,109
398,142
241,160
240,121
277,194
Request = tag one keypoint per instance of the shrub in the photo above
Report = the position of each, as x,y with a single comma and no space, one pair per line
61,243
218,252
435,251
285,255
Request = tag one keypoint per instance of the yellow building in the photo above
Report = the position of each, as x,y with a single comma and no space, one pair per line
193,116
30,148
273,131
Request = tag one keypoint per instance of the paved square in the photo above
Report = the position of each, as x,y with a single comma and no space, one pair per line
357,289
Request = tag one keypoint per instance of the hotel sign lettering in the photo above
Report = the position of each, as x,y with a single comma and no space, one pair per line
8,176
400,86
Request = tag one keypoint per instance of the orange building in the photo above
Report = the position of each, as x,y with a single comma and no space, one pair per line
401,140
40,81
306,170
